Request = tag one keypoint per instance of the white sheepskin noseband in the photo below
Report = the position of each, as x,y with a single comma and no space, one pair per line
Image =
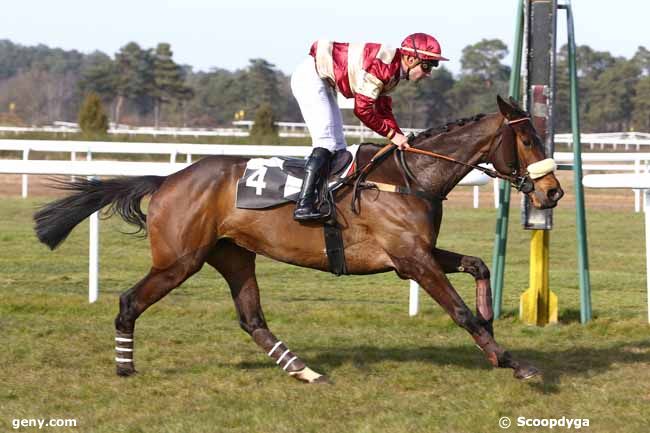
541,168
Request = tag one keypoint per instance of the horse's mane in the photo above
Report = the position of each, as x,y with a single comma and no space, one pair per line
443,129
449,126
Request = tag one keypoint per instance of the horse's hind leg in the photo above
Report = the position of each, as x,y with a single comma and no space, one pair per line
451,262
145,293
237,265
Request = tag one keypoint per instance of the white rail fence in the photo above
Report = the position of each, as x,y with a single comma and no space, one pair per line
626,139
603,162
629,181
612,163
298,129
90,168
172,149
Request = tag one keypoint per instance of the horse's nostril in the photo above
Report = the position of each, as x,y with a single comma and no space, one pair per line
555,194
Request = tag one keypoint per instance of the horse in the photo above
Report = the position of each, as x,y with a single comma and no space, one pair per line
192,220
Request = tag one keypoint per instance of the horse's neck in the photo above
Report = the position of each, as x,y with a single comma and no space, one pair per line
469,144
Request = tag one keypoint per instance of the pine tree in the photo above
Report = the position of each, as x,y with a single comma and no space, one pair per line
169,82
99,75
262,82
264,130
641,100
135,78
92,118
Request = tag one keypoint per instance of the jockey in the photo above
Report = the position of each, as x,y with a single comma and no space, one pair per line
365,72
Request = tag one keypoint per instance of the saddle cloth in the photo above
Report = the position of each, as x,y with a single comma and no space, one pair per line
269,182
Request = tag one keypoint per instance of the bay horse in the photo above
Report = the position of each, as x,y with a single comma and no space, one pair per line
192,219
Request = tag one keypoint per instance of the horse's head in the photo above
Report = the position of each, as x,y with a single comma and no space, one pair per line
519,152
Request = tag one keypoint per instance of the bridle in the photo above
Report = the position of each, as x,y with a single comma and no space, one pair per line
520,181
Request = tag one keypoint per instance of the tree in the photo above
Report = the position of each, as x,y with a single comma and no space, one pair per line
483,76
92,118
219,94
641,101
29,100
135,80
562,104
261,84
434,98
405,105
99,74
424,104
169,81
39,96
483,60
611,96
642,60
264,130
13,58
592,63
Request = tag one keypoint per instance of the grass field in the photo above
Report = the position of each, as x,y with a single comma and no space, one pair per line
198,372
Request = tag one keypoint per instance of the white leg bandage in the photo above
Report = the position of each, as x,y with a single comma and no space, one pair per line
274,347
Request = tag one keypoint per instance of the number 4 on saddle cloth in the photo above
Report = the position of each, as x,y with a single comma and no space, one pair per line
271,182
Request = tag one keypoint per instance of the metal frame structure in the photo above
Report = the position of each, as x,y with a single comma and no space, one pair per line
541,31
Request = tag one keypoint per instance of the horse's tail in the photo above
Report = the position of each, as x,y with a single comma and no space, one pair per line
55,221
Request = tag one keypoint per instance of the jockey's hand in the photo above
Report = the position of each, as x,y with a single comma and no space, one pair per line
400,141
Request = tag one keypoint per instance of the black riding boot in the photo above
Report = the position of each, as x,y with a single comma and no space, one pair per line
306,208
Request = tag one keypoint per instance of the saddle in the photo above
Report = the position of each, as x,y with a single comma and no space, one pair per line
274,181
296,166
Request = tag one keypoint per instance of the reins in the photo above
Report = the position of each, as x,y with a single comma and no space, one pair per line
518,182
521,183
515,180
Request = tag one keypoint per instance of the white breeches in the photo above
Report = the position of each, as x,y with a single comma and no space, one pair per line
317,101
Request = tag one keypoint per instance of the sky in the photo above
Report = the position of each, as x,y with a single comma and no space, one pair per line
217,34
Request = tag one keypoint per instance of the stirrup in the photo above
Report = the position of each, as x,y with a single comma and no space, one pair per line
313,215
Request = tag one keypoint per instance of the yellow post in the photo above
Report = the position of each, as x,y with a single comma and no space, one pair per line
538,305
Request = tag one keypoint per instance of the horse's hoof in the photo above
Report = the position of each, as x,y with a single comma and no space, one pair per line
307,375
125,372
323,380
524,372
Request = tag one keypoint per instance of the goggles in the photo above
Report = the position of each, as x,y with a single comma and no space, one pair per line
428,65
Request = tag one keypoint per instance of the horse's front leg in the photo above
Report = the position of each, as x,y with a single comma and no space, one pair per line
421,265
451,262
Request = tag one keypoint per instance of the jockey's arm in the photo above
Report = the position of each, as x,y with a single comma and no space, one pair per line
377,114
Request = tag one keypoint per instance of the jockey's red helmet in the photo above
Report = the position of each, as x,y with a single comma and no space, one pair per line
422,46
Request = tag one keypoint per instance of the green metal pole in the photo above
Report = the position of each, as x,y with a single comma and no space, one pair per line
581,223
501,232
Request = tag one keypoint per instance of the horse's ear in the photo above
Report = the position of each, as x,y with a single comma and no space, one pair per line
505,108
514,102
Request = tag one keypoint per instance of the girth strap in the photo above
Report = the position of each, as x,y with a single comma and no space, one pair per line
334,247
